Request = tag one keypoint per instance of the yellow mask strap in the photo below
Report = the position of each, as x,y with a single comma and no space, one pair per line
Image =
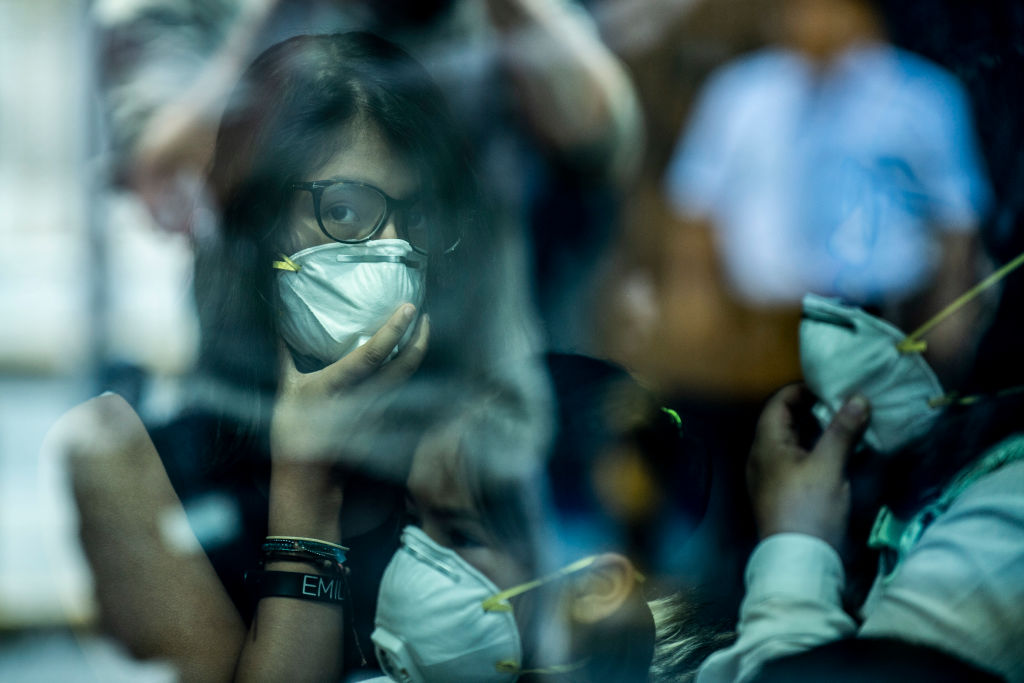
913,343
954,398
286,264
499,601
507,666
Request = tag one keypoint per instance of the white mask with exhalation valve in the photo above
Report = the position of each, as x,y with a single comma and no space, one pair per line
334,297
439,620
845,351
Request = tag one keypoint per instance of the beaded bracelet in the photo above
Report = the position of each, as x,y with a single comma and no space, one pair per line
328,556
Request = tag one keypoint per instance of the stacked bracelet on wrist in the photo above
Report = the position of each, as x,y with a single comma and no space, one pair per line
325,586
321,554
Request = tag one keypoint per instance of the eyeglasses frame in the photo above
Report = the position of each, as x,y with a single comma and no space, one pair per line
317,187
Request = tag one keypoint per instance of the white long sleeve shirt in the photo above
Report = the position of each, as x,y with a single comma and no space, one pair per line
959,589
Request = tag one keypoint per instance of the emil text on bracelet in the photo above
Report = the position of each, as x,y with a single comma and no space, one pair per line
315,587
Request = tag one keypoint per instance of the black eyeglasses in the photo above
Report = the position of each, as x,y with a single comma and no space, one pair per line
353,212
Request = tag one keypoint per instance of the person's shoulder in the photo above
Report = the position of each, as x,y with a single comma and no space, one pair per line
919,75
999,471
987,493
102,426
765,64
105,448
754,75
917,64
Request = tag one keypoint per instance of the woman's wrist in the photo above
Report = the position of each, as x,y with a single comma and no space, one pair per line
302,522
306,516
305,500
292,566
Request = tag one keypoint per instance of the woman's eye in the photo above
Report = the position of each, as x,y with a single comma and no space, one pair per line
340,213
415,217
415,226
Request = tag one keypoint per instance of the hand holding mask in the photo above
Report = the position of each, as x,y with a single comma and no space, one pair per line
845,351
334,297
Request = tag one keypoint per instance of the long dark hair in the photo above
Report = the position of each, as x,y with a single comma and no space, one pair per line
285,118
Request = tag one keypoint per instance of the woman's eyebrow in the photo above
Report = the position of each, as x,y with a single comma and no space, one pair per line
410,197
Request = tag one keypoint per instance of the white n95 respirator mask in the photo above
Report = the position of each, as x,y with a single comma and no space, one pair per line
440,620
430,623
334,297
845,351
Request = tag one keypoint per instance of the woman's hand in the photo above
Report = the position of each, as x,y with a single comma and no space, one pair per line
796,490
300,640
309,430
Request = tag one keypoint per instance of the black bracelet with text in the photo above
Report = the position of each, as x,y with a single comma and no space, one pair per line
299,585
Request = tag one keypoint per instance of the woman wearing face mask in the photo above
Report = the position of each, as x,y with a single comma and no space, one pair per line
491,582
471,595
347,212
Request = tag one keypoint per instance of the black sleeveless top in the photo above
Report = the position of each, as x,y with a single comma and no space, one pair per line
226,504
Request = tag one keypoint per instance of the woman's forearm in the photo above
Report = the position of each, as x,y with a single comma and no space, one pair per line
293,639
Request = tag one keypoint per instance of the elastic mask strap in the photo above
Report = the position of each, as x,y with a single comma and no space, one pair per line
913,343
507,666
286,264
953,398
498,601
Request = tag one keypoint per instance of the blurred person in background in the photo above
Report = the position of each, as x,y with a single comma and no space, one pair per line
351,249
838,164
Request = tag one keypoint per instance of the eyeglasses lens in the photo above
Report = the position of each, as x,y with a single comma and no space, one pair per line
350,212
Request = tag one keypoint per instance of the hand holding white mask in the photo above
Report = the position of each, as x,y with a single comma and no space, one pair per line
335,296
845,351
